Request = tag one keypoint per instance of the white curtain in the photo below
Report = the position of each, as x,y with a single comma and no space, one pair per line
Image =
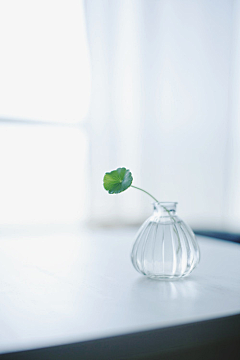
164,103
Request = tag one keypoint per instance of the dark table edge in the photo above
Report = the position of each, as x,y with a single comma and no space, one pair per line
211,339
219,235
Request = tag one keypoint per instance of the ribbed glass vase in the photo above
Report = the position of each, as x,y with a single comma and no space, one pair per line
165,246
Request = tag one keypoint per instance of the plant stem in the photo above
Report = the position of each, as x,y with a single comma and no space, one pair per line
174,223
169,213
135,187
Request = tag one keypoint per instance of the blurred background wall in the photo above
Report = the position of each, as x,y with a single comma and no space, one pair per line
89,86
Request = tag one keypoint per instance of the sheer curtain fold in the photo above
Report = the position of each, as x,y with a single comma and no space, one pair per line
115,109
161,76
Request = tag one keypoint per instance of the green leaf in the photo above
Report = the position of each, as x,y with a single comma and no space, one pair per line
117,181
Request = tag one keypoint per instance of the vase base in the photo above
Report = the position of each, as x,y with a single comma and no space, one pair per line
166,277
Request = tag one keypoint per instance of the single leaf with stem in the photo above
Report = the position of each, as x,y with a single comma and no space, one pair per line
120,180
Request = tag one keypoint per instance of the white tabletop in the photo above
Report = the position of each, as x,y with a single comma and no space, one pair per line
72,286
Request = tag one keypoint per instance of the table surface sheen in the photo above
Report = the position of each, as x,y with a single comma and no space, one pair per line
75,285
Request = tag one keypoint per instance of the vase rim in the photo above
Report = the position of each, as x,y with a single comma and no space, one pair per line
165,207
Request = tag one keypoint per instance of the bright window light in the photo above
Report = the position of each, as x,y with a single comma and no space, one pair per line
44,67
43,174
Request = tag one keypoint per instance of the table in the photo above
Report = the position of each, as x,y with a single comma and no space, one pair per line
78,286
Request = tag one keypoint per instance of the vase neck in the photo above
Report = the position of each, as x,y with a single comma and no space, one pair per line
165,208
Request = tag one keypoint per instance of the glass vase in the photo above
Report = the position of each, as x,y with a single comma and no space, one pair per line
165,247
